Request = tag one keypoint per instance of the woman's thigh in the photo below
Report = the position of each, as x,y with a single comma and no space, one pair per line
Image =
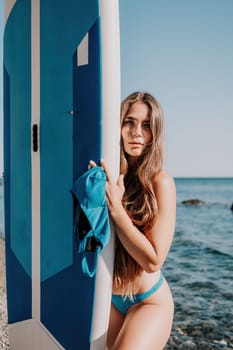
146,326
115,324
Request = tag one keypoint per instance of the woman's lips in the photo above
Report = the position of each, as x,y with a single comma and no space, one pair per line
136,143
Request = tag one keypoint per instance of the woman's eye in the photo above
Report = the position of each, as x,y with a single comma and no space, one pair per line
147,125
128,122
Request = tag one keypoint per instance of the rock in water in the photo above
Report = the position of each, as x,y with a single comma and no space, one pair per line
193,202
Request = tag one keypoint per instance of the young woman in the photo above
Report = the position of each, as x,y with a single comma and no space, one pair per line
142,205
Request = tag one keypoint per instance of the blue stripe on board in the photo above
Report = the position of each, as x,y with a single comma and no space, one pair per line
66,295
7,151
17,160
66,306
62,27
87,105
19,296
17,59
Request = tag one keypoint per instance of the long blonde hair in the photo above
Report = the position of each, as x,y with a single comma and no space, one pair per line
139,199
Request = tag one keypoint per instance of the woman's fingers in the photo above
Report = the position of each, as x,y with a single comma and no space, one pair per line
107,171
91,164
120,183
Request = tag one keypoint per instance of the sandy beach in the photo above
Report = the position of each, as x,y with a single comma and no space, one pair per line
3,313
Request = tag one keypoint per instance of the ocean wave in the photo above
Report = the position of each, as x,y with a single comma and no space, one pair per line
200,245
202,285
215,251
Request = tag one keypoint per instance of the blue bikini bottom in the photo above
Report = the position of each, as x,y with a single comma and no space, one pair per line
123,303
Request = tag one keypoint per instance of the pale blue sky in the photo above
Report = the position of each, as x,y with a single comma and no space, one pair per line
182,52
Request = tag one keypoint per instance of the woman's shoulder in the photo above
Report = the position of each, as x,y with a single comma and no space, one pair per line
164,180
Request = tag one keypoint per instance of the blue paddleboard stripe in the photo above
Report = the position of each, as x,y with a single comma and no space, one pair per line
87,106
17,160
66,294
60,36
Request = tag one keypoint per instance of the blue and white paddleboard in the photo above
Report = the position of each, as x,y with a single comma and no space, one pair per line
61,109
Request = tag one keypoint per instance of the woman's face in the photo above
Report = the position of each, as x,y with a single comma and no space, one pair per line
136,131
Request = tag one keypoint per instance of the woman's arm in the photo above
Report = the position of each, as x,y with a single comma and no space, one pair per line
149,250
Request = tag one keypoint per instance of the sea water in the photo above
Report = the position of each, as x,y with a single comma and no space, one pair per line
199,267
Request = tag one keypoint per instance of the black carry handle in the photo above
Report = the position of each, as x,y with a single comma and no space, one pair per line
35,138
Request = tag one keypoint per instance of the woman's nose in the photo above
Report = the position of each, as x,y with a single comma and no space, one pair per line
137,131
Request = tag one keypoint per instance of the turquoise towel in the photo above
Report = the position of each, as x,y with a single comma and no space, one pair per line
91,218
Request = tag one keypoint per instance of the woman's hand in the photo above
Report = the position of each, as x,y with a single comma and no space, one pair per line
114,191
91,164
